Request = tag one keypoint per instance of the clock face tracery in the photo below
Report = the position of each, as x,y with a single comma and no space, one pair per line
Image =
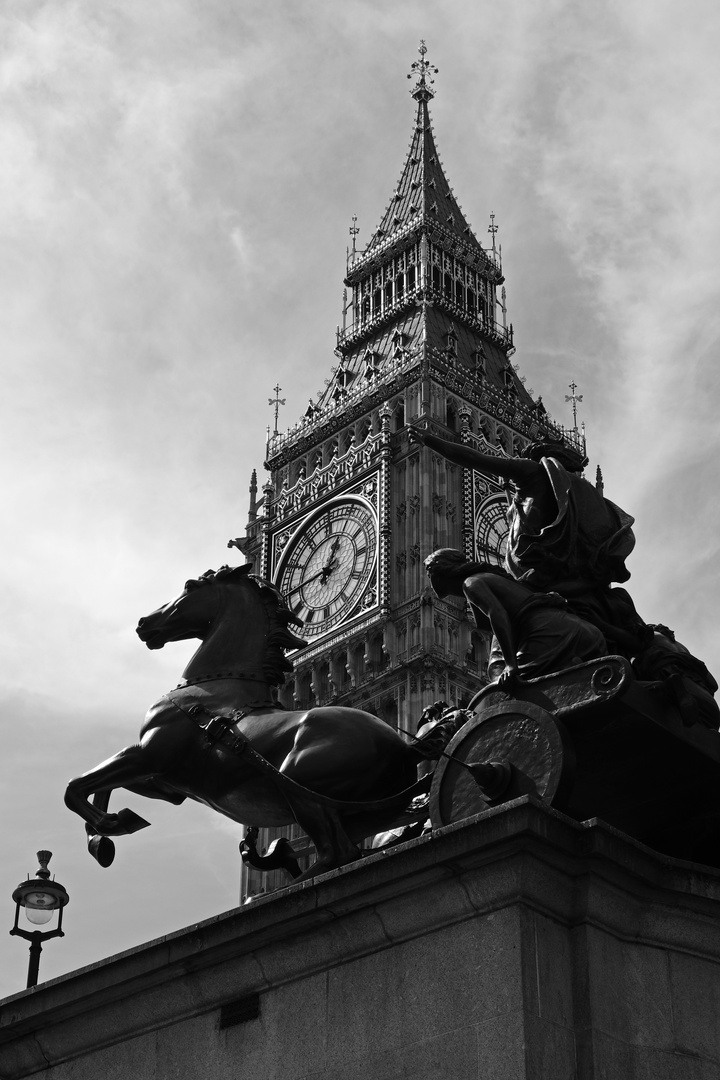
328,565
491,530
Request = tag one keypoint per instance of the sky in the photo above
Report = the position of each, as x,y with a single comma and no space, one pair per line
177,181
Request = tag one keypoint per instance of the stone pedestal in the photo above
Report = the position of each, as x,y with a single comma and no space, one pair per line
518,944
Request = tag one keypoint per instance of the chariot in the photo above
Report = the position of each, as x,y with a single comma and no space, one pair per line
593,742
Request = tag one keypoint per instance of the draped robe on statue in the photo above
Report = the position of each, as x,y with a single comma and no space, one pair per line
586,544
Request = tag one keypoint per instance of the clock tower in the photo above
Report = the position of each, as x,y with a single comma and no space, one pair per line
351,508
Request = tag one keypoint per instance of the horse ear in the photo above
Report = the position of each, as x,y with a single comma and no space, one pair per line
228,573
239,571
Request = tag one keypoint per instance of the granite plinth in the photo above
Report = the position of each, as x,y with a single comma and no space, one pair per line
517,944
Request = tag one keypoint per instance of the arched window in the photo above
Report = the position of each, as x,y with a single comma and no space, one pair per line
415,634
452,640
388,293
343,674
359,662
480,362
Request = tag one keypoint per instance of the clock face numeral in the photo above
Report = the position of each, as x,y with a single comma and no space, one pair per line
326,568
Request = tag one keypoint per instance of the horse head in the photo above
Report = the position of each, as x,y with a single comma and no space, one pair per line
241,620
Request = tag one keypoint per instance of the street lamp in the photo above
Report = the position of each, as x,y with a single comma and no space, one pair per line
40,897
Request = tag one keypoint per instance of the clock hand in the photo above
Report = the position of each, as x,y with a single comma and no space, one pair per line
326,571
305,582
335,546
331,564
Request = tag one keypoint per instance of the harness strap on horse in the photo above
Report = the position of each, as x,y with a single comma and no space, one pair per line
219,730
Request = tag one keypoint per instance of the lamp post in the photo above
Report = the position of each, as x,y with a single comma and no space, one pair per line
40,897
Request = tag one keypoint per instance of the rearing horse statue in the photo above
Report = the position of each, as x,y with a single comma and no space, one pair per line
222,739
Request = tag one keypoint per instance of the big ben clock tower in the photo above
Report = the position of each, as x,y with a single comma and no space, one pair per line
351,507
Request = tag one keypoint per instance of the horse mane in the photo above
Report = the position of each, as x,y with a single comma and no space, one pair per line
280,638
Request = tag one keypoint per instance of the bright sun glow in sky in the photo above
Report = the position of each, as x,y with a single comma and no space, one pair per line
177,180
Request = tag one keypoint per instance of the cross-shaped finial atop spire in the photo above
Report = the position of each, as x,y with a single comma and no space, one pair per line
353,232
575,398
492,229
424,72
277,401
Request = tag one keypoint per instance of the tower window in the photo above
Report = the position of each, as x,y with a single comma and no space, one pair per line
372,364
363,430
451,340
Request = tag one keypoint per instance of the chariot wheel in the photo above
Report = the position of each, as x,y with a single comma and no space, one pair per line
512,748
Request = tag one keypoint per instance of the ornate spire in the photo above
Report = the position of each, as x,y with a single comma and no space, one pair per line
423,195
424,72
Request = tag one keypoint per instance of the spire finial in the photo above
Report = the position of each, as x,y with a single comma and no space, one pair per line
424,72
575,398
492,229
277,401
353,232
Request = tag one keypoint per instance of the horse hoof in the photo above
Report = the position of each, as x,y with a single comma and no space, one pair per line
131,822
102,849
280,856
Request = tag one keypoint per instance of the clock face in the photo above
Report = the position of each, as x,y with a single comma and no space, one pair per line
491,530
326,569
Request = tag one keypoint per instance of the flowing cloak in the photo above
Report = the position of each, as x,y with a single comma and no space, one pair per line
548,637
587,542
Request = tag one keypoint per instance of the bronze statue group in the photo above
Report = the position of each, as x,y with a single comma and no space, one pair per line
221,737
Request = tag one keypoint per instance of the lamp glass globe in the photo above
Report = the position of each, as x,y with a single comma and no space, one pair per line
39,907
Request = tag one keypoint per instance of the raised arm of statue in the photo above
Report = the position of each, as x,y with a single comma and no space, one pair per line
523,472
